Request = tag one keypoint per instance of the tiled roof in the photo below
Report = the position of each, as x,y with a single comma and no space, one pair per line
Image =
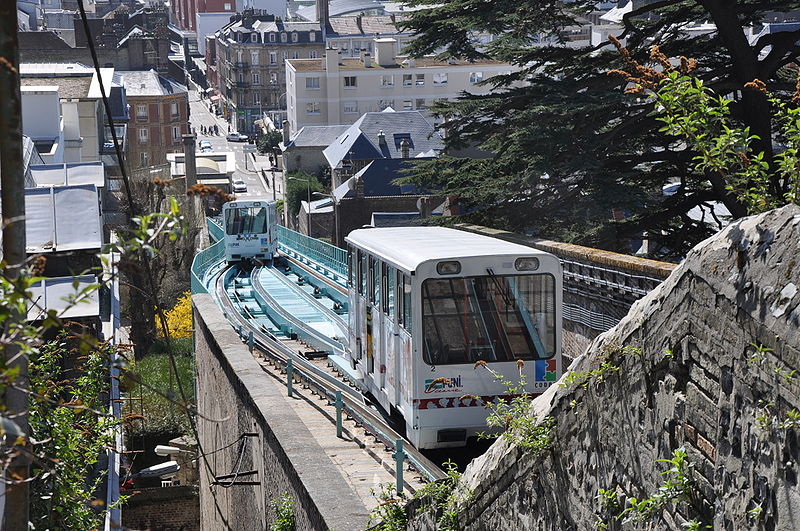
362,140
149,83
68,87
317,135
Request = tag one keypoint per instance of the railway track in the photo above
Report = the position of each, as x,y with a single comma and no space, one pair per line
238,295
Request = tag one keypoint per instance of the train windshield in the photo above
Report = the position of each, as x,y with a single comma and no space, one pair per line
490,318
246,220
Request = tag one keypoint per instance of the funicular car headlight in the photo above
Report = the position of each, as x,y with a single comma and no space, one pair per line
527,263
451,267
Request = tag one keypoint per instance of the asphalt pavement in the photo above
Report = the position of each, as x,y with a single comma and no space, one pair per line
248,167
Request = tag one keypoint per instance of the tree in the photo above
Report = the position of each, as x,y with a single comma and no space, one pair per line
266,143
297,189
568,145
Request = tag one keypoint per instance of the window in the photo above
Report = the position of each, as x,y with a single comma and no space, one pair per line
254,37
404,300
312,107
353,265
385,104
246,220
295,55
271,37
408,80
387,81
283,37
285,55
141,112
173,109
375,267
241,77
273,78
388,279
440,78
420,79
312,54
312,37
294,37
362,272
239,56
408,105
256,99
254,58
350,107
475,77
176,133
256,79
144,158
312,83
350,82
420,103
273,58
144,135
227,6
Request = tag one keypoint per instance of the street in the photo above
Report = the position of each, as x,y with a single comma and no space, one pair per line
247,169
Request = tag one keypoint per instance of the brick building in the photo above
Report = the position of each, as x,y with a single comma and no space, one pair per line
184,12
250,64
158,117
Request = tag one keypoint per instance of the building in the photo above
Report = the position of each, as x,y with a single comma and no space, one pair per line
380,136
184,12
352,34
335,90
303,151
250,69
159,110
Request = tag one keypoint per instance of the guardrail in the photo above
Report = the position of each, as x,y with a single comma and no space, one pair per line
324,254
202,264
215,229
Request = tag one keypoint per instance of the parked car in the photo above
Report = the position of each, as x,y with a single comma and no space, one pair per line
239,185
236,137
206,145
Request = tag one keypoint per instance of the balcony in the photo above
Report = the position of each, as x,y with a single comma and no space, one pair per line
239,64
241,84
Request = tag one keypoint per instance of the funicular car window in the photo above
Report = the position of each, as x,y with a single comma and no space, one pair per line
490,318
246,220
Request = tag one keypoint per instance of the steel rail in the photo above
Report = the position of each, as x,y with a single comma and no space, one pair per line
332,316
326,385
320,339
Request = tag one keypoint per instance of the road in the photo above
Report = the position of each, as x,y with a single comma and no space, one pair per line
247,169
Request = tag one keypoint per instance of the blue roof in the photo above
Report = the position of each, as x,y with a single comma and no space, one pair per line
378,177
361,140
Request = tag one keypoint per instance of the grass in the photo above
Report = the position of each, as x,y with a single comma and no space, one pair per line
161,416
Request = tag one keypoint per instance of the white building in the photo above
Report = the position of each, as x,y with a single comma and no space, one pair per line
335,90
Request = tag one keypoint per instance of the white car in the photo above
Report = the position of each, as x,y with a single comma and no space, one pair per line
239,185
205,145
236,137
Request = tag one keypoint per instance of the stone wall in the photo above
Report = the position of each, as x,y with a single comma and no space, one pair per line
599,286
162,509
241,429
710,366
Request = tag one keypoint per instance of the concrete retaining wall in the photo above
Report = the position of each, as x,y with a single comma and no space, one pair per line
236,397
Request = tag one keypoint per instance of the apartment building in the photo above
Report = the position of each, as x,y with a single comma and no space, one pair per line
335,90
251,53
159,110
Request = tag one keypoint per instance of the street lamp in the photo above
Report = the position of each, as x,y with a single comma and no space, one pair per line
335,216
308,212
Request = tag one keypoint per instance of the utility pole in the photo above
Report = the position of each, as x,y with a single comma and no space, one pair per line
12,180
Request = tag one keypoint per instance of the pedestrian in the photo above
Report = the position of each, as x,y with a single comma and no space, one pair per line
216,130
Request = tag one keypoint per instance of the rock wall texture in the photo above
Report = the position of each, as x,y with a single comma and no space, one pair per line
266,450
710,365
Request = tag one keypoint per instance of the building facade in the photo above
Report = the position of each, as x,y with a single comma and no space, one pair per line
250,55
158,117
184,12
336,90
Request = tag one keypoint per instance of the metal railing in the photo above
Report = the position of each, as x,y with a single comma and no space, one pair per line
203,262
324,254
215,229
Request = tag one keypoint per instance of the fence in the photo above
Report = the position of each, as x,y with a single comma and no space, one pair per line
208,257
322,253
215,229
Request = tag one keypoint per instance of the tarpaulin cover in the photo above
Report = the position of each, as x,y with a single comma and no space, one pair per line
62,218
70,297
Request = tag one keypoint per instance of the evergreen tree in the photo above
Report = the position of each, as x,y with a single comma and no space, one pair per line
568,145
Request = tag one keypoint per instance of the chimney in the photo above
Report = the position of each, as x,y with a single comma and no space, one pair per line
332,58
404,148
381,138
323,16
366,58
189,160
286,135
384,51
